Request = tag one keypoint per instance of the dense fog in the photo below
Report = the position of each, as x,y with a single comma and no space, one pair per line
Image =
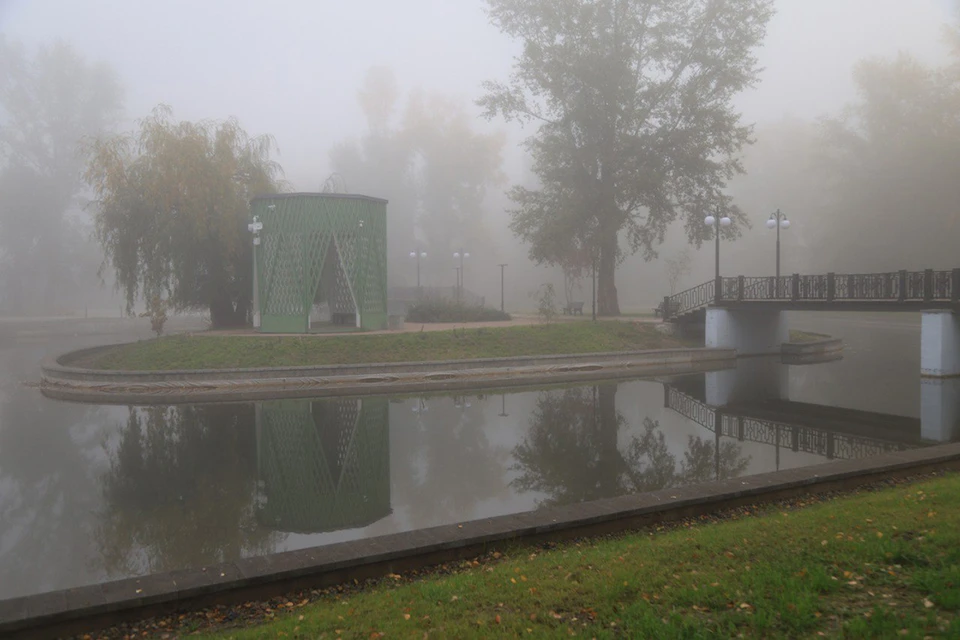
856,116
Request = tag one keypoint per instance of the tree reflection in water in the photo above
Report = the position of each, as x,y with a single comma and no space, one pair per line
181,491
572,454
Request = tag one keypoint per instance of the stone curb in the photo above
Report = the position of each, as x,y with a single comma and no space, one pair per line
827,345
89,385
99,606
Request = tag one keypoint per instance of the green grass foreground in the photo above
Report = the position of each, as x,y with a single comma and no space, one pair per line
221,352
881,564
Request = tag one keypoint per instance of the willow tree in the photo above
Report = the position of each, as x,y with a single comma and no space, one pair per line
173,203
636,126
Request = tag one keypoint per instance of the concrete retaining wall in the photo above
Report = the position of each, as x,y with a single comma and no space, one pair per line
62,381
98,606
814,347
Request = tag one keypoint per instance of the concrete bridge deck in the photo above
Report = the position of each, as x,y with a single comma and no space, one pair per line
744,313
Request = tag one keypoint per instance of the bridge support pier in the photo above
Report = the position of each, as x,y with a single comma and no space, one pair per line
751,332
939,344
753,380
940,409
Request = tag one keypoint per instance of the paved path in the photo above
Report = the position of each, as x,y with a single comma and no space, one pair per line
418,327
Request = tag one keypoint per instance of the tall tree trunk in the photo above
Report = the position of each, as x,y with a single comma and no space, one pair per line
607,302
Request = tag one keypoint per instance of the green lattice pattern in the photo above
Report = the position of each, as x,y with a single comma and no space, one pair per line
324,465
332,241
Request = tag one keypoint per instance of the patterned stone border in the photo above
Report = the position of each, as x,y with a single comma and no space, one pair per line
73,611
65,382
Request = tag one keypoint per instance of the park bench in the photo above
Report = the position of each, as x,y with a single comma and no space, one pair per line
658,312
573,309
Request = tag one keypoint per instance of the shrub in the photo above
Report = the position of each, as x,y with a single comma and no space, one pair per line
443,310
546,303
157,312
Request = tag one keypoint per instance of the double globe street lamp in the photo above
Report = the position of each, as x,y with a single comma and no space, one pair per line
778,221
418,255
460,255
712,221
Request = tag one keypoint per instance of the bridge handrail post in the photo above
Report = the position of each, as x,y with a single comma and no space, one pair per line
903,285
851,288
831,286
771,294
666,308
796,287
928,285
740,288
955,285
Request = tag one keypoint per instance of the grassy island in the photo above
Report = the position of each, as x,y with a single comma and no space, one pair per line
199,351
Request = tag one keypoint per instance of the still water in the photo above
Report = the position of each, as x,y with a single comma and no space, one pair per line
91,493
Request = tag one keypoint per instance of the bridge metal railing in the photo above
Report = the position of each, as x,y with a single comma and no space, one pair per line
894,286
829,444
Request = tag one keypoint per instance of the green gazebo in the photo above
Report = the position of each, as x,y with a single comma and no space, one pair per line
311,247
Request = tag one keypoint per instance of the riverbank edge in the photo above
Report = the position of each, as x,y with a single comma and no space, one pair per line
822,346
63,382
84,609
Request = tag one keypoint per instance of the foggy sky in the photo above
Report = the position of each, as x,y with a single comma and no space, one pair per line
292,68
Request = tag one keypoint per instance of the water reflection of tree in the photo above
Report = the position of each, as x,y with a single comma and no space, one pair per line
702,464
181,490
46,498
572,452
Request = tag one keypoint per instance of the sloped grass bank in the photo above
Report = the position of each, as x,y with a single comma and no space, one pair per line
883,564
191,352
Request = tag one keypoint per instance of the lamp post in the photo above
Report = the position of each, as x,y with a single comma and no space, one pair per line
502,267
593,291
712,221
255,228
778,221
460,255
418,255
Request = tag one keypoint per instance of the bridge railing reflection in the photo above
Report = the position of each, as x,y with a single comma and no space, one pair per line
821,442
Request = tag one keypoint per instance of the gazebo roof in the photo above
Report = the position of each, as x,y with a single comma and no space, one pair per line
332,196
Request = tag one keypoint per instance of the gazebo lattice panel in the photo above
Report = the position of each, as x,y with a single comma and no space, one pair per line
323,465
333,242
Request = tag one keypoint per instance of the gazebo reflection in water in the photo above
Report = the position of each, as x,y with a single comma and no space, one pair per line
323,465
